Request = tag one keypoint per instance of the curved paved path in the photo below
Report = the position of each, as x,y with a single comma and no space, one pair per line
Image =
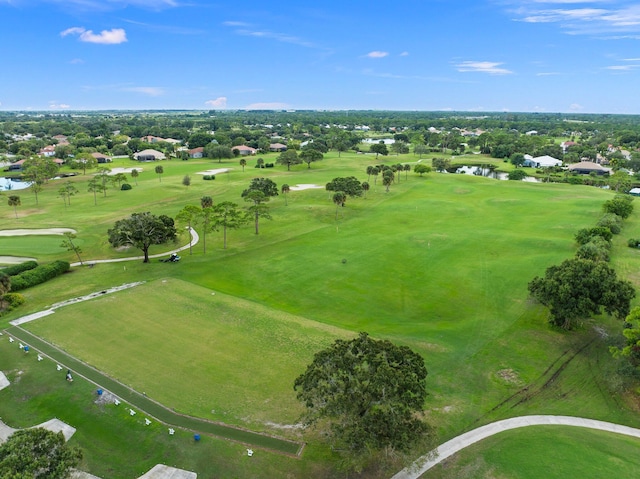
449,448
195,238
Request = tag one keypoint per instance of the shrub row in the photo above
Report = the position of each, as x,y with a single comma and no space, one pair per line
19,268
38,275
266,165
209,177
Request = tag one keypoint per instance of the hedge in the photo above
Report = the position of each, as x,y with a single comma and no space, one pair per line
39,275
19,268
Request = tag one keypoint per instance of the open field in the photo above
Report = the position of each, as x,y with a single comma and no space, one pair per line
440,263
195,351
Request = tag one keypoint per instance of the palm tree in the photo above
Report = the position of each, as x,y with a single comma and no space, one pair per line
407,169
14,200
285,189
370,171
134,175
159,171
375,171
365,188
243,163
339,198
387,178
206,202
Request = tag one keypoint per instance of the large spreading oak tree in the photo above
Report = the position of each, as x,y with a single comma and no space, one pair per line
579,288
142,230
370,390
37,454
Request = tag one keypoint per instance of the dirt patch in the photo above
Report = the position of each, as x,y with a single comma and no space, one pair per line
509,376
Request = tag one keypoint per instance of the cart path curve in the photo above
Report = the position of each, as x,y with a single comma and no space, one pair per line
449,448
195,238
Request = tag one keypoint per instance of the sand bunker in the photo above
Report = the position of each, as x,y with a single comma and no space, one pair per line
41,231
213,172
161,471
4,382
305,187
14,259
115,171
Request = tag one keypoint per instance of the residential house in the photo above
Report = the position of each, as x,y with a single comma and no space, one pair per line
565,145
100,158
244,150
588,167
545,161
48,151
277,147
196,152
151,139
149,155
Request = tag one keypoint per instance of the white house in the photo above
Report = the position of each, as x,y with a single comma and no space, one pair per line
545,161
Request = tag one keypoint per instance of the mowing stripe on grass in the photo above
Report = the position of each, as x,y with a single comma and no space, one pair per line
153,408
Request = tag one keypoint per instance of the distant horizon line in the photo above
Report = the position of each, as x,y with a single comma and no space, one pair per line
306,110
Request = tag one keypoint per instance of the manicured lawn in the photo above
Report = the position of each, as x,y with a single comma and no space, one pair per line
440,263
195,351
552,452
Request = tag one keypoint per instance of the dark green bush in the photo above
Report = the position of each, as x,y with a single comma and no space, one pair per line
594,251
209,177
38,275
125,186
13,300
584,235
19,268
633,243
611,221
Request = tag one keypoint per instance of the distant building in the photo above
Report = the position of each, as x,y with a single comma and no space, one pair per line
277,147
149,155
545,161
196,152
100,158
244,150
588,167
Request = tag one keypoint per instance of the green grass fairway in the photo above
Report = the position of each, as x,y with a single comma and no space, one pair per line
195,351
550,452
440,263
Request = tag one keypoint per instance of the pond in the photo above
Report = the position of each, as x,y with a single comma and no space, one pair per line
486,172
10,184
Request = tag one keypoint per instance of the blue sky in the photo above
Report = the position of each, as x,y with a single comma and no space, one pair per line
484,55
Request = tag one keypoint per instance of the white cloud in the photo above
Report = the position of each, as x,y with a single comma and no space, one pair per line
220,102
145,90
235,24
76,61
547,74
492,68
267,106
404,54
377,54
114,36
618,18
73,31
621,67
575,107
